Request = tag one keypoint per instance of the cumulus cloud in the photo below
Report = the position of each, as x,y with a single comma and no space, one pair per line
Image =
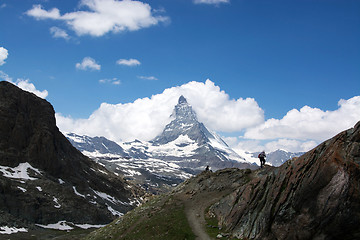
59,33
3,55
114,81
290,145
310,123
39,13
24,84
152,78
103,16
88,63
128,62
145,118
211,1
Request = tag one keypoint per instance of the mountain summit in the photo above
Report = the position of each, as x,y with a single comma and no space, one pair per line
193,145
184,124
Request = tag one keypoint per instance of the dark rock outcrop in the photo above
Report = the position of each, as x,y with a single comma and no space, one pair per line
59,183
316,196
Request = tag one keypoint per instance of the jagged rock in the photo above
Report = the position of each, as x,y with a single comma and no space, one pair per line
43,178
316,196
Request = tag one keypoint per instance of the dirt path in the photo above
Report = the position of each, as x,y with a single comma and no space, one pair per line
195,207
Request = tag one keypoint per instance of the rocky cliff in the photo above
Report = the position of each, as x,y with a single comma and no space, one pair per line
43,178
313,197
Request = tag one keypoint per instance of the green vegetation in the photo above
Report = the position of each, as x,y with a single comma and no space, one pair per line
161,218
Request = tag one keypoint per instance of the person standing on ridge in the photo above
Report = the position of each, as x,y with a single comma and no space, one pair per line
262,156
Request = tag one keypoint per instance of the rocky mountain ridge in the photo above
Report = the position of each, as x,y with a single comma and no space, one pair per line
43,178
314,196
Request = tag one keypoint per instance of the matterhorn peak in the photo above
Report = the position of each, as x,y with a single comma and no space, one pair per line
183,111
182,100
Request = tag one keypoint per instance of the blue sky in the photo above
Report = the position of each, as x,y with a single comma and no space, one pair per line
267,59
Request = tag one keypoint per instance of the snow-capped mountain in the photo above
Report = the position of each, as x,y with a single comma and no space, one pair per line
94,145
278,157
188,143
185,147
275,158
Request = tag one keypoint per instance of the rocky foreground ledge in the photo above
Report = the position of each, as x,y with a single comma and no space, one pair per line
316,196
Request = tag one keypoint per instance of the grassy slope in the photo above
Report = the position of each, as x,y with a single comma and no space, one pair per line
161,218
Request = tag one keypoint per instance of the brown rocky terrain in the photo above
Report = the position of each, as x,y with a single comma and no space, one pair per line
315,196
43,178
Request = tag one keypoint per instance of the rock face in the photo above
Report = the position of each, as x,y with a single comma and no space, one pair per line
316,196
43,178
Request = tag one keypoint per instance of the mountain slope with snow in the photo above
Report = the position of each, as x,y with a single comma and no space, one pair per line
184,148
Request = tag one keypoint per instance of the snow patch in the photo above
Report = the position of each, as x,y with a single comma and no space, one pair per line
114,212
11,230
87,226
19,172
77,193
56,201
75,138
22,189
61,225
107,197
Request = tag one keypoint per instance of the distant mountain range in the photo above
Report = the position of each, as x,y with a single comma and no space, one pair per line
278,157
184,148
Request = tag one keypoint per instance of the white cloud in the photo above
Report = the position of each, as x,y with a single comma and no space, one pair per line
5,77
59,33
128,62
152,78
103,16
88,63
211,1
24,84
145,118
290,145
3,55
39,13
114,81
3,5
310,123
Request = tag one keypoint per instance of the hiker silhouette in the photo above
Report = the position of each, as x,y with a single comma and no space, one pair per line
262,157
